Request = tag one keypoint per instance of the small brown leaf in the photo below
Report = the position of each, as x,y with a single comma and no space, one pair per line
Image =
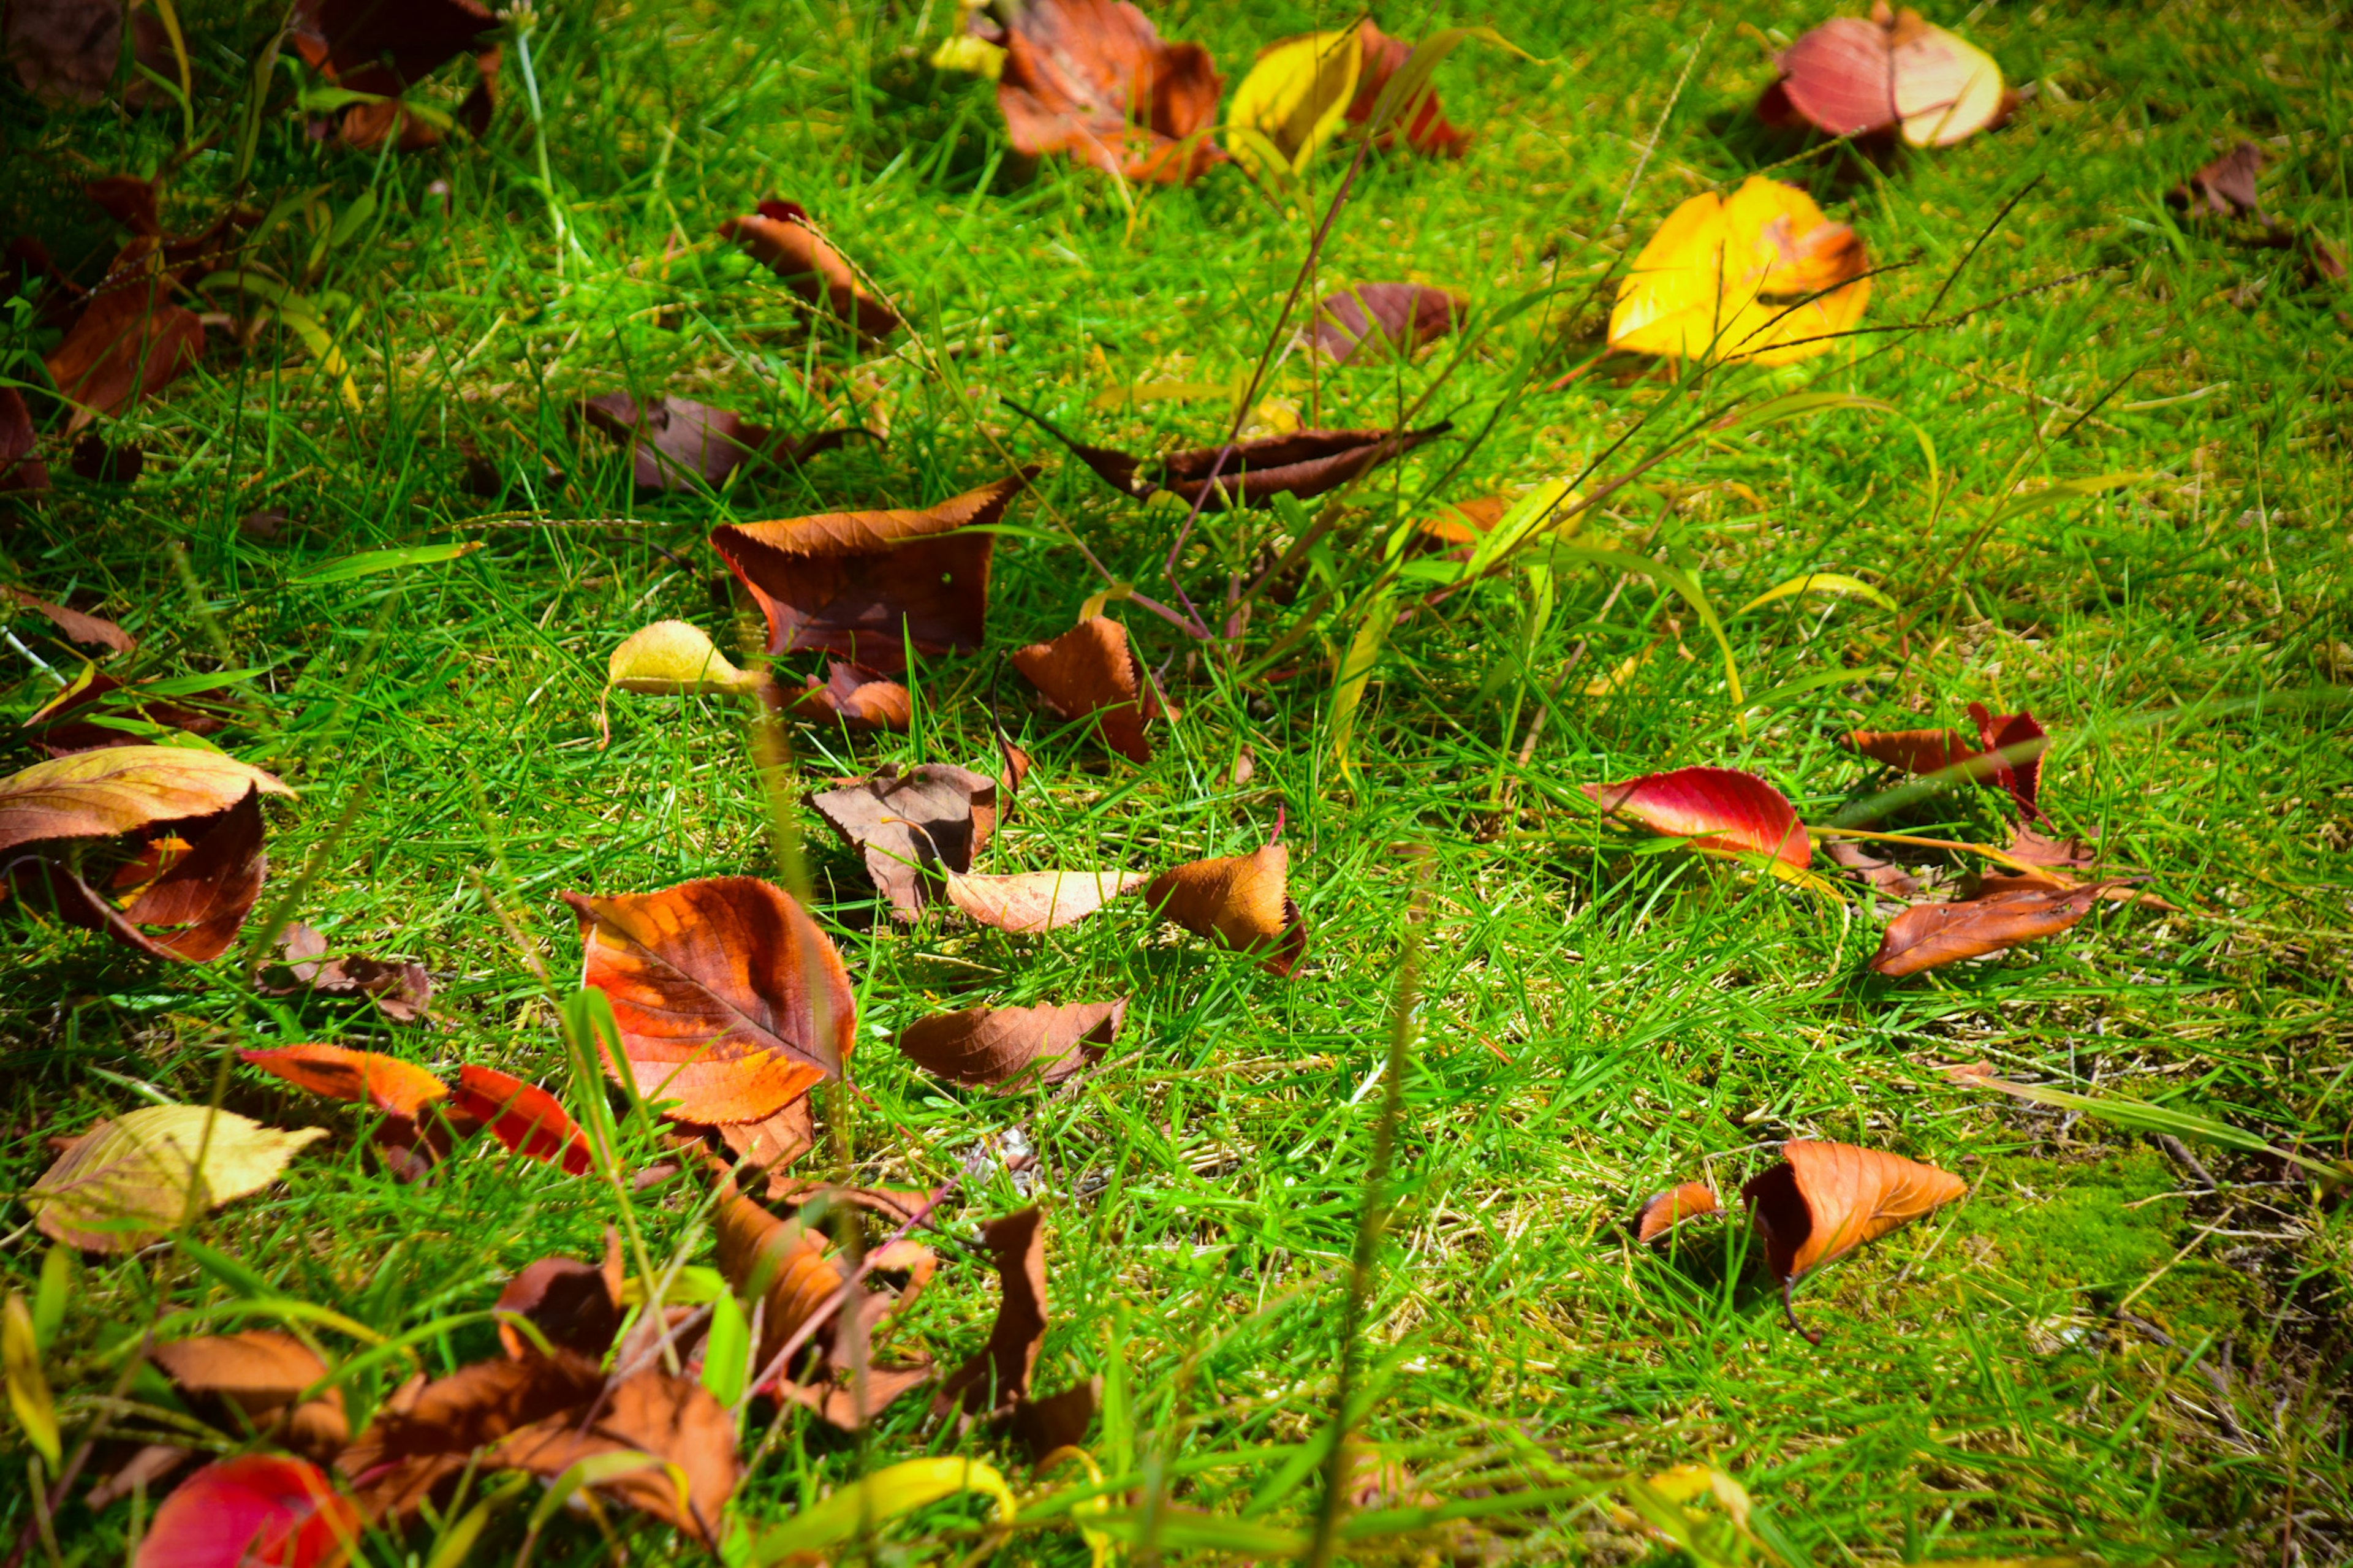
2226,187
1091,669
672,1420
2037,848
856,697
1926,936
792,1273
986,1046
575,1306
334,1072
999,1374
1241,902
846,1403
66,51
1827,1199
1717,809
864,584
1884,876
400,990
905,823
770,1147
96,709
1044,1428
1305,463
1027,902
676,444
781,238
19,469
731,1001
145,1469
424,1435
1373,319
91,630
1662,1212
367,47
1094,79
1916,751
129,341
2014,744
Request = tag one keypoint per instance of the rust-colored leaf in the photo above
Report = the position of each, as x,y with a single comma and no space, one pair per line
864,584
1662,1212
1092,670
96,709
183,895
1044,1428
1926,936
122,789
906,823
1422,123
253,1509
999,1374
676,443
1914,751
1718,809
781,238
847,1402
856,697
394,1086
792,1273
1305,463
146,1469
19,469
989,1045
2014,744
526,1118
402,991
1375,319
2037,848
574,1306
129,341
771,1146
673,1420
1827,1199
1884,876
2226,186
1094,79
1027,902
1242,901
426,1433
261,1374
732,1003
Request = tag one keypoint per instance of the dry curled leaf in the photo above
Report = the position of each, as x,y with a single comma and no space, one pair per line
96,461
336,1072
122,789
183,895
2014,744
1919,752
1760,276
364,46
1242,901
1027,902
1044,1428
686,1436
574,1306
1094,79
19,469
2226,186
526,1118
1722,810
261,1376
1827,1199
1091,669
1372,319
999,1374
252,1509
769,1147
731,1001
905,823
124,1183
864,584
1422,123
1662,1212
90,630
1881,875
401,991
781,238
851,695
794,1274
1857,77
1926,936
427,1434
986,1046
131,340
1305,464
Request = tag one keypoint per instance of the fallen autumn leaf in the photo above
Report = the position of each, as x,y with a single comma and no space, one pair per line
1827,1199
1719,810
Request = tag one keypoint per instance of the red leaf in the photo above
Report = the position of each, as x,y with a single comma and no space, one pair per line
1662,1212
526,1118
1717,808
2021,742
1372,317
1426,127
251,1510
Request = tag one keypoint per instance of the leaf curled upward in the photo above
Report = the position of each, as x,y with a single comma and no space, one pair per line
851,695
120,789
1094,79
1662,1212
1241,902
906,823
1827,1199
1717,809
1305,464
252,1509
1760,275
1853,76
1092,670
988,1046
526,1118
732,1003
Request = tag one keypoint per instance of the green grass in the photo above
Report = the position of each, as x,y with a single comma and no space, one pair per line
1598,1020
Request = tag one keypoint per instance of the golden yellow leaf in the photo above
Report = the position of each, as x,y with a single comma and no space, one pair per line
671,657
1761,275
1293,99
126,1182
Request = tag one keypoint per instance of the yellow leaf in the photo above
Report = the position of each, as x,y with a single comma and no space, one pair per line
120,789
28,1387
1293,97
1763,275
876,1499
671,657
973,56
124,1183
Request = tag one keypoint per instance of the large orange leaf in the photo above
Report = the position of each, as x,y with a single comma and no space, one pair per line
1760,275
1827,1199
120,789
392,1085
255,1510
732,1003
1716,808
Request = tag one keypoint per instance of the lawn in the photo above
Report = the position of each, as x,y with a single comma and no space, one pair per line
1517,1017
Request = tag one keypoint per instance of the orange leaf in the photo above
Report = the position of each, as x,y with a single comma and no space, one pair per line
1928,935
858,698
526,1118
1717,809
427,1433
780,238
1242,901
1305,464
1093,79
731,1001
249,1511
391,1085
670,1419
1760,275
1827,1199
1662,1212
262,1374
1091,669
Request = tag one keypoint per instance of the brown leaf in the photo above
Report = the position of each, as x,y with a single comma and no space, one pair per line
335,1072
1926,936
526,1118
91,630
129,341
196,879
1884,876
781,238
792,1273
367,47
1827,1199
401,991
1425,126
1091,669
2226,187
846,1403
1241,902
1377,318
986,1046
905,823
770,1147
670,1419
1094,79
676,444
65,51
1307,463
1027,902
730,1002
2015,743
999,1373
2040,849
856,697
261,1374
1044,1428
575,1306
19,469
1662,1212
865,584
424,1437
1716,808
96,709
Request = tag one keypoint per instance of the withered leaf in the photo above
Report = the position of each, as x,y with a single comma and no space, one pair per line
2037,848
93,630
1241,902
731,1001
575,1306
1374,318
129,341
1422,123
770,1147
183,895
1305,463
66,51
526,1118
2226,186
677,443
1091,669
1827,1199
1717,809
2014,744
368,47
124,1183
336,1072
1853,76
794,1274
851,695
781,238
19,469
146,1468
905,823
424,1435
673,1420
1884,876
402,991
261,1374
1917,751
1662,1212
1926,936
1027,902
1044,1428
95,710
999,1374
989,1045
848,1401
864,584
1094,79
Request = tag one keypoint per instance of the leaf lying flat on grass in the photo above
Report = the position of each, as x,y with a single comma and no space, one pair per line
1304,464
263,1374
686,1436
1374,318
401,991
731,1001
336,1072
676,443
19,469
1759,276
124,1183
1926,936
252,1509
122,789
986,1046
904,822
95,710
1242,901
426,1433
1094,79
1827,1199
781,238
1092,670
129,342
1027,902
1717,809
2226,186
94,631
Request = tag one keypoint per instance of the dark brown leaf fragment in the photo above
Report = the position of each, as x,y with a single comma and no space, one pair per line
1305,464
402,991
999,1374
